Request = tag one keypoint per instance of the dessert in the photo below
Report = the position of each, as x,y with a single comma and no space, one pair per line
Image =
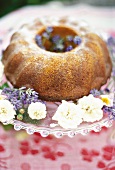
66,74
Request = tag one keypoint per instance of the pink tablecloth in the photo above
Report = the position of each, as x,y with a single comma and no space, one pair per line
19,151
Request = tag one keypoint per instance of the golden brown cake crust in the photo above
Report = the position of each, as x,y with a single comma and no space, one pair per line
57,76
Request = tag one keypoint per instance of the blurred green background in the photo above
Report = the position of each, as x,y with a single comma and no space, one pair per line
7,6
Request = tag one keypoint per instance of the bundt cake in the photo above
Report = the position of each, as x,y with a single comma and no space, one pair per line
63,72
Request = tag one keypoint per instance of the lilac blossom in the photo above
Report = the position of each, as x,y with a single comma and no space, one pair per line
55,38
69,38
110,111
49,29
69,48
77,40
95,92
20,97
57,43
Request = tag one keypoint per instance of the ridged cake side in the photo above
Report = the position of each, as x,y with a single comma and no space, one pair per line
57,76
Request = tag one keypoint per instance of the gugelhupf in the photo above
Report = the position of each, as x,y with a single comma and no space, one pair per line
57,75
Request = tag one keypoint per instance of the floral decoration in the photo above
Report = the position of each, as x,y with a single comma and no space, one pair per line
106,99
25,105
56,43
68,115
37,110
7,111
92,108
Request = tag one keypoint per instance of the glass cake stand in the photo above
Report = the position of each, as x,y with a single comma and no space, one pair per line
46,126
58,132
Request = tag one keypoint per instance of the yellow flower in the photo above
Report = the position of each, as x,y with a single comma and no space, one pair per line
105,99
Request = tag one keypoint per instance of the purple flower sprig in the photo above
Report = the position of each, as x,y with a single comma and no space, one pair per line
110,111
20,98
111,47
95,92
106,109
111,41
55,43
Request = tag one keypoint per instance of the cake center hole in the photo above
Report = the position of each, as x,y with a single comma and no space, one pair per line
57,39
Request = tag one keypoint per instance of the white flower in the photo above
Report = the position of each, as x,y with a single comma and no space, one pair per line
1,70
68,115
7,111
37,110
92,108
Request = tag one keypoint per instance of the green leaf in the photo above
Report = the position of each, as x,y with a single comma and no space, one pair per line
27,119
4,85
8,127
